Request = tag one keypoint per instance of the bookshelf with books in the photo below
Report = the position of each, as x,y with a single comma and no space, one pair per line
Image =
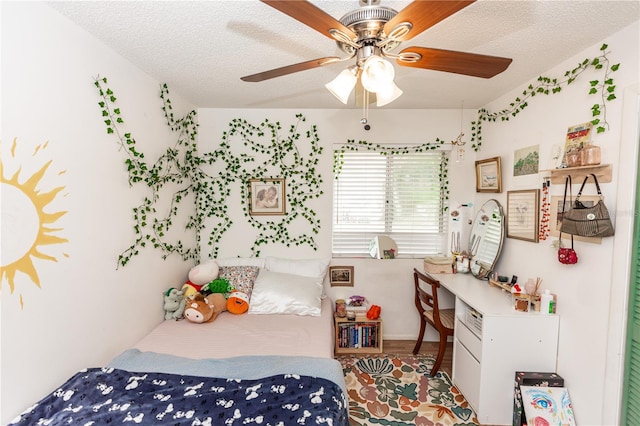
361,335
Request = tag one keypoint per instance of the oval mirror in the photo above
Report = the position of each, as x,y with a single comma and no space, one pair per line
485,240
383,247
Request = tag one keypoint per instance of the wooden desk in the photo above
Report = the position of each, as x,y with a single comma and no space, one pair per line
492,341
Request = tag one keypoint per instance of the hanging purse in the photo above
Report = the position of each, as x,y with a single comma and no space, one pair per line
588,221
566,255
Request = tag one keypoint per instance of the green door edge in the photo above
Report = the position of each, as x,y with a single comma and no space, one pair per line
631,387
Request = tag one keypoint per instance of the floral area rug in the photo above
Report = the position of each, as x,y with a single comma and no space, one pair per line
397,390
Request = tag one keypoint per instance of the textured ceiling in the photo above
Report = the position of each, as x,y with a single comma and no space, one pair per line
201,49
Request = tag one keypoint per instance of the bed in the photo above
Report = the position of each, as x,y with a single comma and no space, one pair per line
271,366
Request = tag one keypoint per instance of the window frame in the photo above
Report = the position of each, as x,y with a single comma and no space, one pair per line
391,153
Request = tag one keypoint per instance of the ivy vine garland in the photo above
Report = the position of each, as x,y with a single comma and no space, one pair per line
605,87
183,167
283,158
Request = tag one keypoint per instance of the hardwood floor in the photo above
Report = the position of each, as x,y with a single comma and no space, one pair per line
401,347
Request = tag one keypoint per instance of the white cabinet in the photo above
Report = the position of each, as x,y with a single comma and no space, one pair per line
492,341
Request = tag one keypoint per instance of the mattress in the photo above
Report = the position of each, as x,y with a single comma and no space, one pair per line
148,389
238,369
232,335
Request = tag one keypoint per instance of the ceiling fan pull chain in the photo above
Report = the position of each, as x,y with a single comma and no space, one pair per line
365,110
365,103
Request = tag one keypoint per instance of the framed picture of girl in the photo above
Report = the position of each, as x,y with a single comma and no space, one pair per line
266,197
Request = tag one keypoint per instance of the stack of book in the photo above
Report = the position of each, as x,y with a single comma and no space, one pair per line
358,335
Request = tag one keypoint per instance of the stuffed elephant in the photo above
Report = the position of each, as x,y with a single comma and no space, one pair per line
174,303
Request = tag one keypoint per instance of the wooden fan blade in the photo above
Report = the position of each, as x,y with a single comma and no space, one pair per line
424,14
290,69
456,62
310,15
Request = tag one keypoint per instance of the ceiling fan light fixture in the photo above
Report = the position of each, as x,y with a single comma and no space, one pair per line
377,74
388,95
342,86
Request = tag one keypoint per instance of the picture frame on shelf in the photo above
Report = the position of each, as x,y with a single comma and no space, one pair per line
489,175
267,196
555,218
523,214
341,276
577,137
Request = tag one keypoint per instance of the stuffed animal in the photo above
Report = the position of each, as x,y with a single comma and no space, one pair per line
189,289
174,303
238,302
201,309
204,273
219,285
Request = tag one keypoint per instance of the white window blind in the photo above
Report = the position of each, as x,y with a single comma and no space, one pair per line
398,195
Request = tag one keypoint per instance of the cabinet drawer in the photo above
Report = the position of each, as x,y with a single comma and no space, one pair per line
469,339
467,374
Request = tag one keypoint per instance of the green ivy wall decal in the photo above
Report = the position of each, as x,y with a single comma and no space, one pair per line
352,145
604,87
209,179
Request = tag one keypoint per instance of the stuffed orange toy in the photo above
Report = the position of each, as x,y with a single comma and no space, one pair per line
238,302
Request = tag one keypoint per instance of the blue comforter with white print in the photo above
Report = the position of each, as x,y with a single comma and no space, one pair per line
103,396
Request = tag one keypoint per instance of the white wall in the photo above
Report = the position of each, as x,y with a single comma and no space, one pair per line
584,290
85,312
388,283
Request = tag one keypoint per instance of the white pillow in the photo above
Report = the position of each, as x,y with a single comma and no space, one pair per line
316,268
280,293
241,261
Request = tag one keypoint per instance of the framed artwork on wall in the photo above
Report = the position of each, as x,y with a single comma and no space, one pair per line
555,211
489,175
341,276
523,214
266,197
526,161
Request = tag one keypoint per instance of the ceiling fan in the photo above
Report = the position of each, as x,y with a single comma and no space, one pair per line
372,32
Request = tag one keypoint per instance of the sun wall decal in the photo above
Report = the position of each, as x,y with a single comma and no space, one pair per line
26,226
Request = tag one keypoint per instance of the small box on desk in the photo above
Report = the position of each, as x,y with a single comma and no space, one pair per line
529,378
438,264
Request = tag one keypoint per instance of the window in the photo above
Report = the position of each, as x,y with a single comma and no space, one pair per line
398,194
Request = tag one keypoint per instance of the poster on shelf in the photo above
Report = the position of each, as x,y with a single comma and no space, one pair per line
577,137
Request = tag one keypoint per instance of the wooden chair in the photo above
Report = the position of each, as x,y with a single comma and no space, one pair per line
440,319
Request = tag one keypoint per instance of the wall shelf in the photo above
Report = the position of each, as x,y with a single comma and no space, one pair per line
602,172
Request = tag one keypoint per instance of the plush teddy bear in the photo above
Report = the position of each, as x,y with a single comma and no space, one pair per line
174,303
201,309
